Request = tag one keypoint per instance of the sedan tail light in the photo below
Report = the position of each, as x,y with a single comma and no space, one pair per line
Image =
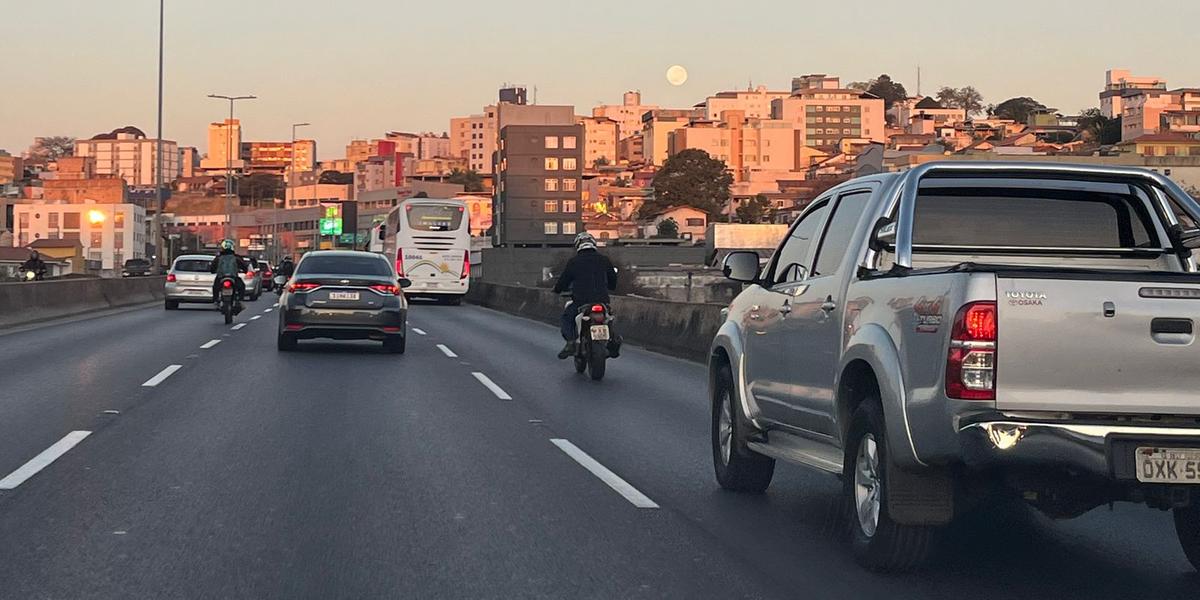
302,286
387,289
971,361
170,278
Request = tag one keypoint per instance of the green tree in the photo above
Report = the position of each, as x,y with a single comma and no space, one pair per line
884,87
668,229
601,162
754,210
1018,109
336,177
1098,128
690,178
967,98
257,188
469,179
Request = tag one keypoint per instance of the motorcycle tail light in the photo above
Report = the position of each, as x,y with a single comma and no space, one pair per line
227,283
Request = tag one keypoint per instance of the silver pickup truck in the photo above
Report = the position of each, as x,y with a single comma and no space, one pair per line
960,331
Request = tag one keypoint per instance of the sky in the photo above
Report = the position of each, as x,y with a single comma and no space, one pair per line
359,68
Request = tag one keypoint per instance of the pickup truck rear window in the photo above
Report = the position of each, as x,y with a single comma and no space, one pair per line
1032,219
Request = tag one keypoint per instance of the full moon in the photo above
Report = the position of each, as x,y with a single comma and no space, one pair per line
677,75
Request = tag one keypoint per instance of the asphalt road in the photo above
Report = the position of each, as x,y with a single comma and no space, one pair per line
342,472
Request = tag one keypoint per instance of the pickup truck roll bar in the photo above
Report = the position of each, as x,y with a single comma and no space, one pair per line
903,205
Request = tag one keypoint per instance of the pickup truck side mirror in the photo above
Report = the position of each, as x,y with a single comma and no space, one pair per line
1189,238
741,266
883,235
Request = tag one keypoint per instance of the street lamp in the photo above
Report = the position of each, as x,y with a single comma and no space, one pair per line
229,161
158,159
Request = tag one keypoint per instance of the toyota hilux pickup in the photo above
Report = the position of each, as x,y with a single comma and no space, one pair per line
945,336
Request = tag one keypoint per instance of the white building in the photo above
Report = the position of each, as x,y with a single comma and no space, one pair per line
129,154
109,233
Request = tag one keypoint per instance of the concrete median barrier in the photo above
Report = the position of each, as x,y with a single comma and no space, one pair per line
675,328
23,303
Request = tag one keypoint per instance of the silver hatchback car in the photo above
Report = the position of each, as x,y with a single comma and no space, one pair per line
189,281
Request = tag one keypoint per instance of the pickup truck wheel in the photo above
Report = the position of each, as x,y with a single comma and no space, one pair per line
1187,527
878,542
738,468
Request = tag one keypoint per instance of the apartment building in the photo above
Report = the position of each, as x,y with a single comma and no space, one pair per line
12,167
474,137
746,145
627,114
824,115
1143,110
279,157
657,126
538,197
1119,81
601,135
753,104
109,233
127,153
189,161
224,146
921,115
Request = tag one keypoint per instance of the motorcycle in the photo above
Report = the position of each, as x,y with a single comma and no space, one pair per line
227,303
31,275
593,324
279,282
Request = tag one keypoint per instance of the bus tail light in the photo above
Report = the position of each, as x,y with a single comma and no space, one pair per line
466,270
400,262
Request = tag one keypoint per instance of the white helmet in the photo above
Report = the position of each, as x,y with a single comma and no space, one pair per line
585,241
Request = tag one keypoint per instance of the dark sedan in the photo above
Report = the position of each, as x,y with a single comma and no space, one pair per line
344,295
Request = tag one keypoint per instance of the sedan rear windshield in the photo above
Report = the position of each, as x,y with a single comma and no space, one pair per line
1031,218
137,262
345,265
432,217
193,265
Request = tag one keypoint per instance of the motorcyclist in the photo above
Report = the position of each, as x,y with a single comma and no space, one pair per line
35,264
229,264
287,268
589,276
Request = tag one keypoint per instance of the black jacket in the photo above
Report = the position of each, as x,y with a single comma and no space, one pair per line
34,264
287,268
589,275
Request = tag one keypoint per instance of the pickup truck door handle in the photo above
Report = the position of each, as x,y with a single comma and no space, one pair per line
786,308
828,305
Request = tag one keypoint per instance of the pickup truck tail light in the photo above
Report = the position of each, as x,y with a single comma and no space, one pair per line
971,361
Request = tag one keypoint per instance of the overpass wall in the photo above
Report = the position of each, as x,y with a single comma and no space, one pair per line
29,302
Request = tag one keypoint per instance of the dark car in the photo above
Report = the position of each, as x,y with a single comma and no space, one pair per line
135,267
344,295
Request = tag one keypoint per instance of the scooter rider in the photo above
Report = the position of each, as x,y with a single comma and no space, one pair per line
35,264
589,276
287,268
229,264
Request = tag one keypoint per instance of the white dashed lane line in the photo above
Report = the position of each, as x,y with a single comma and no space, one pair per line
43,460
418,331
162,376
209,344
267,311
255,317
619,485
447,351
238,326
491,385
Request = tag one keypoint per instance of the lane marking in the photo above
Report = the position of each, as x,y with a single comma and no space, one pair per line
255,317
238,326
162,376
418,331
43,460
209,344
267,311
447,351
619,485
491,385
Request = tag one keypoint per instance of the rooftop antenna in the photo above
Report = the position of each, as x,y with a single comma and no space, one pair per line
535,95
918,80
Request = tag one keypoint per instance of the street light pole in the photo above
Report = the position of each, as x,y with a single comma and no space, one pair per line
229,161
158,160
291,179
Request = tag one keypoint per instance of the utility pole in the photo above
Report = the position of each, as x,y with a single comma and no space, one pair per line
157,227
229,161
291,183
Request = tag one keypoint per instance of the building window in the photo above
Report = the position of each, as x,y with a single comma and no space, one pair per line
24,221
550,206
569,142
568,185
551,185
69,235
550,228
97,239
569,164
53,220
119,220
552,141
569,206
551,163
118,241
766,158
568,227
1170,150
695,222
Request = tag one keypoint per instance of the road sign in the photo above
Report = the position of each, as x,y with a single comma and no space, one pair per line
347,238
331,226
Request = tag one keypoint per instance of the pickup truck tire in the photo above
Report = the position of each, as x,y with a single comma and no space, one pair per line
878,542
1187,527
738,468
171,305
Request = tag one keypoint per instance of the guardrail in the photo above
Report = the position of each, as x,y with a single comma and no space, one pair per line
679,329
30,302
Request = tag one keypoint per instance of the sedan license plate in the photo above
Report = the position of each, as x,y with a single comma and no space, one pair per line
1168,465
600,333
343,295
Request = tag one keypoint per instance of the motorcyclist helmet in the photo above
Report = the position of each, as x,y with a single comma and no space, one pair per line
585,241
227,245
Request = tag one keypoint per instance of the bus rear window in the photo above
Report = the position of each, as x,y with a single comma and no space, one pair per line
431,217
1031,218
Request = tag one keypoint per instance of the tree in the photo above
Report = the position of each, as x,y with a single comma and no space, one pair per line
668,229
471,180
259,186
1017,109
52,148
336,177
890,91
967,98
690,178
622,182
421,194
754,210
861,86
600,162
1098,128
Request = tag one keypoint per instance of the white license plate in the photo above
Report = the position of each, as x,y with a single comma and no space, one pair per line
226,292
600,333
343,295
1168,465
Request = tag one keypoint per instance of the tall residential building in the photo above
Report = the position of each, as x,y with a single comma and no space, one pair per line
627,114
753,104
421,145
224,145
538,185
278,157
1119,81
12,167
108,232
476,135
657,126
744,144
375,173
127,153
189,161
1142,110
360,150
824,115
600,140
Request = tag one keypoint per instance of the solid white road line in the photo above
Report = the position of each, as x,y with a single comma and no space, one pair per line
162,376
209,344
621,486
418,331
491,385
255,317
447,351
238,326
43,460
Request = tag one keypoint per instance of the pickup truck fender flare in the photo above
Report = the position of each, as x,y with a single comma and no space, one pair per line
729,340
873,345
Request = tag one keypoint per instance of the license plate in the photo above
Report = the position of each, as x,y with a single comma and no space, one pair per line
600,333
1168,465
226,292
343,295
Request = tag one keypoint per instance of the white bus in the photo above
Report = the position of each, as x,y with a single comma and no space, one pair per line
429,240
